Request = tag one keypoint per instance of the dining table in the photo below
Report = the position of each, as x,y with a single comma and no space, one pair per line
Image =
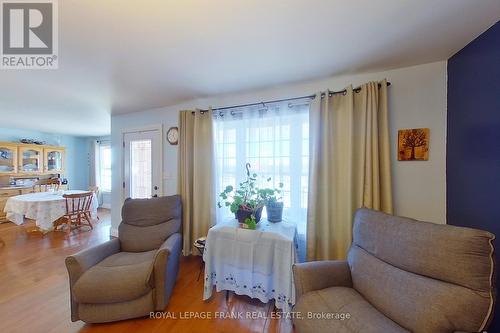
43,207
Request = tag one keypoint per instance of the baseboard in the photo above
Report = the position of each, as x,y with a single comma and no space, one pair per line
113,232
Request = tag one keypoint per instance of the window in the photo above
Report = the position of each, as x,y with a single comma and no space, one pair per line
275,141
105,167
140,169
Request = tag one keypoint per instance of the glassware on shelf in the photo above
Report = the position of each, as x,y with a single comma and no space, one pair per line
54,160
31,160
7,159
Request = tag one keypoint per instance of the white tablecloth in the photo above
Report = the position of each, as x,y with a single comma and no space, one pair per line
257,263
43,207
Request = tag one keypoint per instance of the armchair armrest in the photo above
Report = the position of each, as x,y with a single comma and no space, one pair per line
78,263
316,275
165,268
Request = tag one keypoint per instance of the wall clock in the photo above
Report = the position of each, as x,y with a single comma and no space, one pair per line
173,135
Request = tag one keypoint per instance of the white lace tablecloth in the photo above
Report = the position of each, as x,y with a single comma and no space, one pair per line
43,207
257,263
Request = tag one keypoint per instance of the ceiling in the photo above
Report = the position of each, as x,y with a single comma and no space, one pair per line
119,56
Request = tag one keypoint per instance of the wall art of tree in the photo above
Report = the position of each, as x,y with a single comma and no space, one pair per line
412,139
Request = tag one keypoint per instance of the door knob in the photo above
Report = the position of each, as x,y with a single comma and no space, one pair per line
155,188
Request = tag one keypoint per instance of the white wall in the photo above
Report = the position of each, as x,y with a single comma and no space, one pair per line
417,98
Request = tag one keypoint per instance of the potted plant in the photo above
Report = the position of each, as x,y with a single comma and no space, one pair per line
245,202
274,205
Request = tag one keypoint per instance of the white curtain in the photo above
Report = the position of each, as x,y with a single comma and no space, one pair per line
94,163
274,139
104,166
100,167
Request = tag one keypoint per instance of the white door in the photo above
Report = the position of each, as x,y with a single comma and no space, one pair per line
143,164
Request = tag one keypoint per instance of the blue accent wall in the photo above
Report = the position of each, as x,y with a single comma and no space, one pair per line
473,141
77,152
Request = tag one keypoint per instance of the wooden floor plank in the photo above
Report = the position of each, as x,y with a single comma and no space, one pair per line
34,294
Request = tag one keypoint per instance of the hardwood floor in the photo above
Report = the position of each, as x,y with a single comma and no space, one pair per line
34,290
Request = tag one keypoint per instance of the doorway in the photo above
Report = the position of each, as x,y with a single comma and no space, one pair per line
142,152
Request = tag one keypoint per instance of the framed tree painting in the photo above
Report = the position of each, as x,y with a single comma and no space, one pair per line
413,144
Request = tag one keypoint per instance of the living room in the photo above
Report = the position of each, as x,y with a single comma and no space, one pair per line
279,166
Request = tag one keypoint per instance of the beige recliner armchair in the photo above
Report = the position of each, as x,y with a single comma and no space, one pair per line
134,274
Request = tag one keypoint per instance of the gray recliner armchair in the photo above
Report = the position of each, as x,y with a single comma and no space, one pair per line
401,275
134,274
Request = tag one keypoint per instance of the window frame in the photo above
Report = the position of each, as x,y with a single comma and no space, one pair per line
296,154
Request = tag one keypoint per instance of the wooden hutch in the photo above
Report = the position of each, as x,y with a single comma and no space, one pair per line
19,161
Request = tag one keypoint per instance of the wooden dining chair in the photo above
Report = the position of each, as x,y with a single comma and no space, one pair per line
78,210
95,190
43,185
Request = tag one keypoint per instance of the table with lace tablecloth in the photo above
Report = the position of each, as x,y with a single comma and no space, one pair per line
257,263
43,207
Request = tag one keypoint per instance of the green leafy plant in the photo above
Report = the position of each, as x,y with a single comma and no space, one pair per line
251,222
249,198
271,195
244,198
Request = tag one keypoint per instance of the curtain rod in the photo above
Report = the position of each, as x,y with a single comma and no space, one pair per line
330,93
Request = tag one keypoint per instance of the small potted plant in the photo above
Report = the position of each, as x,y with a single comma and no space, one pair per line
274,205
245,202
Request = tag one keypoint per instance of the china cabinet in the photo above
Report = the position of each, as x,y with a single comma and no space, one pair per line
30,159
20,160
53,159
8,158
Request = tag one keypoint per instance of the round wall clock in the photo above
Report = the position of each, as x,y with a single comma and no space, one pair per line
173,135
